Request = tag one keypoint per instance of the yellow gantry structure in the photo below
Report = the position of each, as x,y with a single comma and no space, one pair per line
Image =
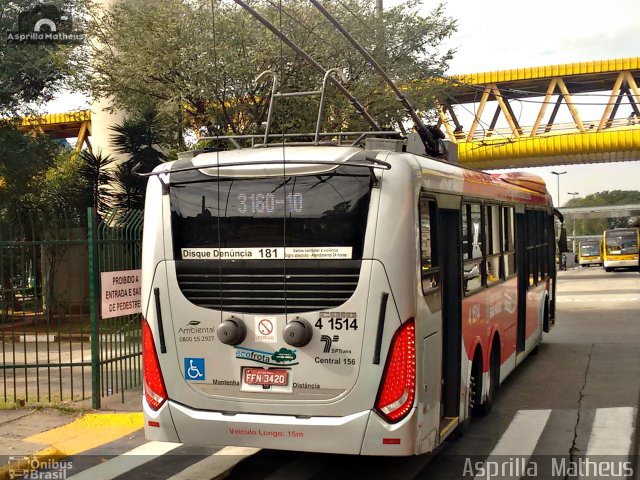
592,93
62,125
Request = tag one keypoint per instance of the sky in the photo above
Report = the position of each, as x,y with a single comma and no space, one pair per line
505,34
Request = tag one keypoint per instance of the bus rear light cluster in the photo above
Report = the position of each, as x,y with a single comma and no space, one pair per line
154,389
398,387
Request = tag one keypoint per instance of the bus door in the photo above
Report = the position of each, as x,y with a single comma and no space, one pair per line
523,281
450,259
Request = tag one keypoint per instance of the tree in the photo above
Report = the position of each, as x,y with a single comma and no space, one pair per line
23,160
63,190
31,74
130,191
137,139
95,170
199,63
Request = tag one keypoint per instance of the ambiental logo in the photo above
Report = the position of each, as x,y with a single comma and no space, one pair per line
44,23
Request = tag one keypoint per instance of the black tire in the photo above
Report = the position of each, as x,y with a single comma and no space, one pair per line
607,269
484,408
475,393
546,317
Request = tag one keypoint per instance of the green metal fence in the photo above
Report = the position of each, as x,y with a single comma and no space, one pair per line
55,347
115,244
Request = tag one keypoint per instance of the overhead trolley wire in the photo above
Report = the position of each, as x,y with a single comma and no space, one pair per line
353,100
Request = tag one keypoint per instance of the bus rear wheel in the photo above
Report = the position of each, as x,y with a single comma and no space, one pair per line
482,408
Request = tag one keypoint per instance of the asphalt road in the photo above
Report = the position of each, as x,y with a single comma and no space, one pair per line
585,378
578,396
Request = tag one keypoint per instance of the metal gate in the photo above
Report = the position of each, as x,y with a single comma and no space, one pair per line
115,244
55,347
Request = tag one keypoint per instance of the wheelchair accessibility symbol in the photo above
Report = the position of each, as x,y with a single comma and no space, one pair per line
194,368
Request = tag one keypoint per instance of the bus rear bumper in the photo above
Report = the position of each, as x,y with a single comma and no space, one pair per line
620,263
362,433
586,263
158,425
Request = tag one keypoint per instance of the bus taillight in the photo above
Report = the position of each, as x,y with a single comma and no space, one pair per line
398,387
154,389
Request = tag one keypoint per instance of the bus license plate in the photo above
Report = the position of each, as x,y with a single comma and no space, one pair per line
262,376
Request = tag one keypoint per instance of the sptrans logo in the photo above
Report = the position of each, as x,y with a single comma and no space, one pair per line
44,23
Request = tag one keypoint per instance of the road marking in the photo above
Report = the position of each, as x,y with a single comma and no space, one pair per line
523,433
612,431
216,464
520,438
127,461
561,299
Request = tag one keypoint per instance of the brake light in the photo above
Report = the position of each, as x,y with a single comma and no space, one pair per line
154,389
398,387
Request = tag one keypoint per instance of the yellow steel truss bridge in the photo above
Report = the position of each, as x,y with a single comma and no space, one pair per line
62,125
602,99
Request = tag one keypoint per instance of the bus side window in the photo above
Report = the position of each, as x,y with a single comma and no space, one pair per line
492,235
472,246
537,246
508,241
429,268
542,247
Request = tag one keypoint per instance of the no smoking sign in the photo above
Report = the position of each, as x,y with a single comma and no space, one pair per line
266,329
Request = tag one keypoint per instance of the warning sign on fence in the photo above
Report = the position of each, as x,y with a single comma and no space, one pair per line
120,293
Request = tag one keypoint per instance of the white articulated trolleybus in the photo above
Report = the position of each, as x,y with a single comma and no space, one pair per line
354,299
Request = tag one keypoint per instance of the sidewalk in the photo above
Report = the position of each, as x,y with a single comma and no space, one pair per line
50,434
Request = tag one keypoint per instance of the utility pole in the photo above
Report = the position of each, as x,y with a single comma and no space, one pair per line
558,206
558,175
573,197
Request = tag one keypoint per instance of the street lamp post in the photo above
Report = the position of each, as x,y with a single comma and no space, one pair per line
558,175
573,197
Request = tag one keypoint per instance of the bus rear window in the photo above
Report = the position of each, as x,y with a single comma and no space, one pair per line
589,249
621,242
315,216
